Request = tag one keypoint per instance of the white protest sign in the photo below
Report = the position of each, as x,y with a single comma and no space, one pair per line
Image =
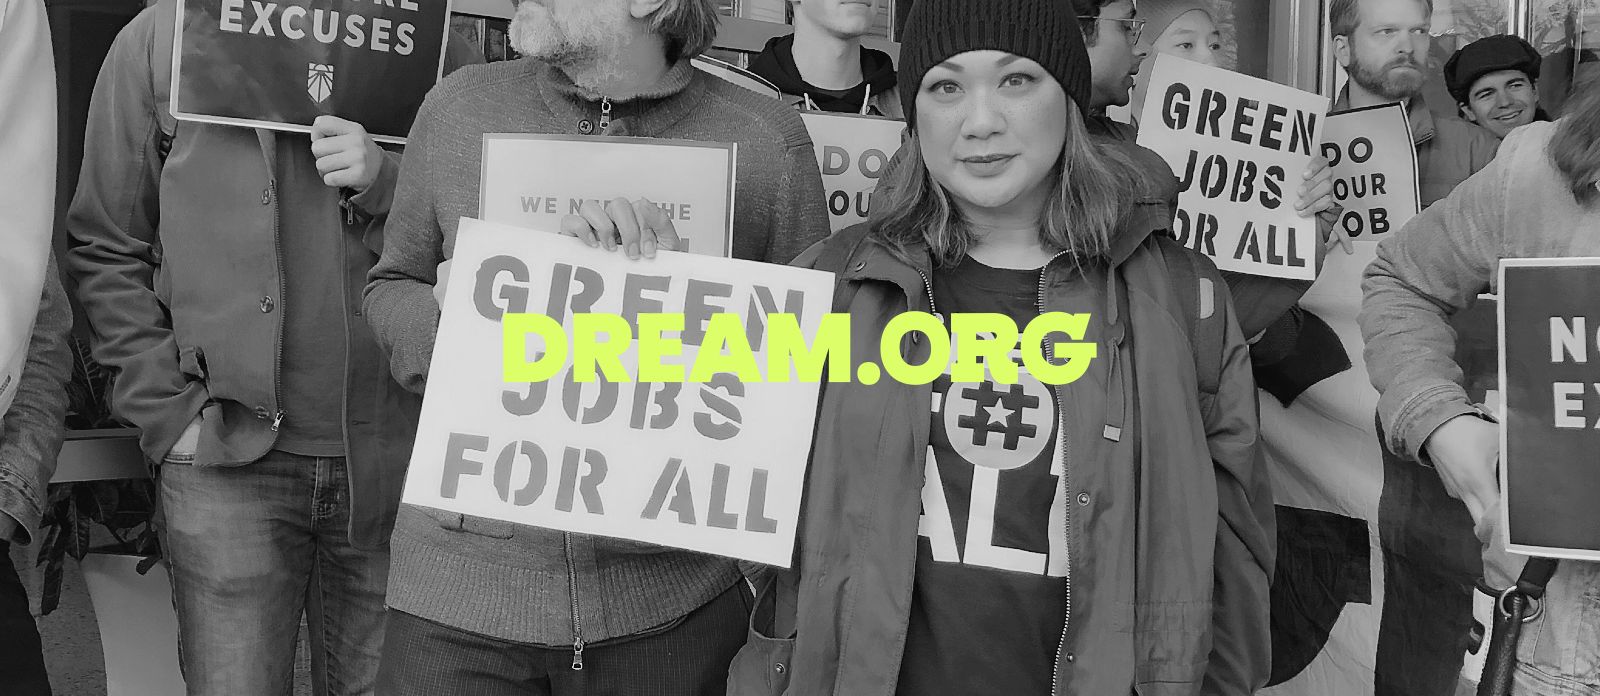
536,180
715,466
852,152
1239,146
1374,170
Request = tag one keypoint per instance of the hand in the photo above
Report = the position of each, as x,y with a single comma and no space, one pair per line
346,156
188,442
440,279
1316,188
1465,451
638,227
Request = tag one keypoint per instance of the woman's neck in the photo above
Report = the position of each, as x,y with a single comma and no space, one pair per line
1009,247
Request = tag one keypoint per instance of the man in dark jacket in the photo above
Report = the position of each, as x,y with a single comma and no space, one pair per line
221,271
1494,82
822,66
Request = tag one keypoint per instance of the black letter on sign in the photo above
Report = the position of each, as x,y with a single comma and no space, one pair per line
516,296
590,484
538,471
457,465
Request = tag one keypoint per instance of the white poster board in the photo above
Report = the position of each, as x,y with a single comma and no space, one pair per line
715,466
536,180
1374,170
853,152
1240,146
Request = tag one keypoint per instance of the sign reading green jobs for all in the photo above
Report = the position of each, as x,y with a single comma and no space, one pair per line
1550,436
281,64
1239,146
715,465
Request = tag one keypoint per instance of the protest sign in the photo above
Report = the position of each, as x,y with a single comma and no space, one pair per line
536,180
27,181
852,152
1549,327
281,64
1374,170
1239,146
715,466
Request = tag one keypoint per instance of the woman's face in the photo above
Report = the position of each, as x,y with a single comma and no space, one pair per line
992,126
1192,36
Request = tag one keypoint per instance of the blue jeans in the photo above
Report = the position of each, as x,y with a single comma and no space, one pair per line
252,548
1559,654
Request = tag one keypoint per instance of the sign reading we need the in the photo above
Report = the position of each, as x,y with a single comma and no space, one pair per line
281,64
853,153
715,466
536,180
1550,376
1374,170
1239,146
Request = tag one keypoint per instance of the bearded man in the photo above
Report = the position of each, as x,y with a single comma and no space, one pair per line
1383,44
480,606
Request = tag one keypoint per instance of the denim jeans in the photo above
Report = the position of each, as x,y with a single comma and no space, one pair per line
1559,654
251,550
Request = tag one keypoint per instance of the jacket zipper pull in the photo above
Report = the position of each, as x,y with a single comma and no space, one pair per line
577,655
605,115
277,420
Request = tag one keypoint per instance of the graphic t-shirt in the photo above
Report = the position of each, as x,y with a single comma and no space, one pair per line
989,600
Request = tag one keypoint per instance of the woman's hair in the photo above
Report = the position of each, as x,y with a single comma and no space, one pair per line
1093,193
1575,149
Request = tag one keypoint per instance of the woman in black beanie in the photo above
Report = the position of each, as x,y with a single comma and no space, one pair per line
1016,531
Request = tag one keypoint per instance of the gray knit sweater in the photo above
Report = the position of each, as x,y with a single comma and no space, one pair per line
511,581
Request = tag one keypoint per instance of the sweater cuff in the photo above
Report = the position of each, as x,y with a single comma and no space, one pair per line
1423,415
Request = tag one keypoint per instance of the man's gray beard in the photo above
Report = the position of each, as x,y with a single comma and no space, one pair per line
1384,86
558,50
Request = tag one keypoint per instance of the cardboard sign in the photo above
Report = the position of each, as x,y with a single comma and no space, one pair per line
1239,146
536,180
716,466
852,152
1550,376
281,64
1374,170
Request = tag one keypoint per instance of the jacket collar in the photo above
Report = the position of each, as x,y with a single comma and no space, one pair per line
1417,113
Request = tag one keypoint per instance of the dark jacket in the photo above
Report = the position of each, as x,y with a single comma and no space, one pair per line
1448,149
875,96
1170,520
175,248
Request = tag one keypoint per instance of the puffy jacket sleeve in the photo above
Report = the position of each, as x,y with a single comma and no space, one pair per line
1435,266
1241,653
115,250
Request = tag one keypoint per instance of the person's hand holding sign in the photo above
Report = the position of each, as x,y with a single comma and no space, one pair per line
639,227
346,156
1316,197
1465,451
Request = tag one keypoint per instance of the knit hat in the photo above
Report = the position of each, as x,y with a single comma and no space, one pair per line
1160,14
1044,31
1487,55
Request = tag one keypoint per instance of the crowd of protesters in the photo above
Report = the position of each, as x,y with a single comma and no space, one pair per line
219,268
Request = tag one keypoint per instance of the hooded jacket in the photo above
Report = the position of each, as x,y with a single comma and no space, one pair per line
875,96
1169,523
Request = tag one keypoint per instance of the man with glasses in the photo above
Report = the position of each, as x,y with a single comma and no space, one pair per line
1111,30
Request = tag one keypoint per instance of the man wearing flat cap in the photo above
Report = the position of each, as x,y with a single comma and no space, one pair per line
1494,82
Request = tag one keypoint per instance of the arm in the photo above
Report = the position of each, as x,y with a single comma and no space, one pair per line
399,301
1435,266
1241,643
113,227
34,424
799,213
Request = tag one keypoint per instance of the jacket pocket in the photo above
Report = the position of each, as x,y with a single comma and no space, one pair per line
192,363
468,524
761,668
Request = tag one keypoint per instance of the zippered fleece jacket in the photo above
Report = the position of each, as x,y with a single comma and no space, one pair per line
521,583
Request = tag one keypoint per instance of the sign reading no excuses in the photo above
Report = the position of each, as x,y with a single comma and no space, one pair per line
715,466
1550,374
853,153
1239,146
282,64
1374,170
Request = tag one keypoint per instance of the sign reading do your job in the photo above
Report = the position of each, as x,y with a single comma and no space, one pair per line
715,466
1374,170
282,63
853,153
536,180
1239,146
1550,437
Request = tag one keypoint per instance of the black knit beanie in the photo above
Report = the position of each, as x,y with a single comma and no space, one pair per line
1044,31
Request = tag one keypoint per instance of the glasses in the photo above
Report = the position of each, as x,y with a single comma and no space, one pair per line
1132,27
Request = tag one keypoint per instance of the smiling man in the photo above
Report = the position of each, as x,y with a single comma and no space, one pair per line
1494,82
